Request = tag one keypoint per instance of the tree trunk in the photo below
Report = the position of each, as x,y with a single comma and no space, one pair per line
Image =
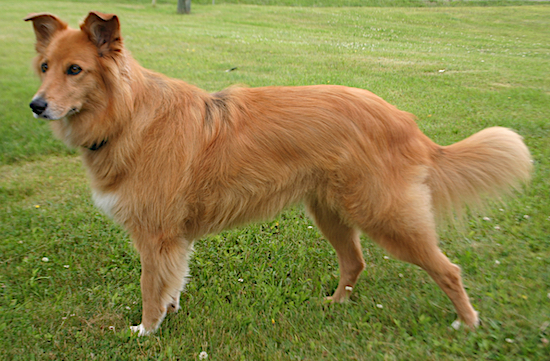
184,6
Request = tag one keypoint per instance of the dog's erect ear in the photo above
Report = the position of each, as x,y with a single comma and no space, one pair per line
45,26
104,31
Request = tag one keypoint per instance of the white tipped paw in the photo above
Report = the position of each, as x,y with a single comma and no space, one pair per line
455,324
477,321
140,330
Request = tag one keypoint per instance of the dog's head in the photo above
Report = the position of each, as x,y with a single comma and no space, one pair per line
71,63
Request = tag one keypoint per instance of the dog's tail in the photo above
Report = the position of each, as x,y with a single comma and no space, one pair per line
491,162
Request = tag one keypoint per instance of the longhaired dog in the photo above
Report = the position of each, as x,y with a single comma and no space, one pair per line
173,163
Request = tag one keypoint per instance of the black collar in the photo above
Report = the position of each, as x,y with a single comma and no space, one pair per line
97,146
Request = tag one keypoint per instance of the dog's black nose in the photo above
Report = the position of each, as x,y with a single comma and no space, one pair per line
38,105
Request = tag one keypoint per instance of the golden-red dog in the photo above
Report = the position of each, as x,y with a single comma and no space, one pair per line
172,163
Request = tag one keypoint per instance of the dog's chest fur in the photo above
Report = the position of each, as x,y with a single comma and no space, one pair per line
106,202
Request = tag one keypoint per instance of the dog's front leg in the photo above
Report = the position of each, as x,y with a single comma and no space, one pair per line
164,267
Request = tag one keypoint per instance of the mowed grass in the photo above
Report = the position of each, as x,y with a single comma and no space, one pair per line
69,277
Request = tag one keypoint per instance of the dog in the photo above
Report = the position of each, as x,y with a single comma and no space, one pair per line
172,163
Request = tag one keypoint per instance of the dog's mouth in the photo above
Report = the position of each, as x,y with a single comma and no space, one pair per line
40,116
73,111
41,110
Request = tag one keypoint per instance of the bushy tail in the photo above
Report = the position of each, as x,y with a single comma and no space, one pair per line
491,162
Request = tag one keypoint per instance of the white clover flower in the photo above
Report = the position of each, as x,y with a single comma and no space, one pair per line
486,218
66,266
240,280
509,340
379,305
497,228
497,262
45,259
526,216
203,355
386,257
310,227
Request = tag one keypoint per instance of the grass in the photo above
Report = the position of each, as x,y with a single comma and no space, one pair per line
344,3
69,278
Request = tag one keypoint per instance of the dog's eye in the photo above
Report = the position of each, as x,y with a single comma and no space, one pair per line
74,69
44,67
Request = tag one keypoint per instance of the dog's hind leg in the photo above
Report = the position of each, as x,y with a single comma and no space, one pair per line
408,233
420,249
345,241
164,266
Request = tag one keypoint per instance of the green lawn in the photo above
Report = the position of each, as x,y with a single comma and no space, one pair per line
69,278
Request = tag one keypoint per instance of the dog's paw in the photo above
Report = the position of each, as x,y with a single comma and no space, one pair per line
456,324
472,325
476,322
140,330
332,299
340,295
